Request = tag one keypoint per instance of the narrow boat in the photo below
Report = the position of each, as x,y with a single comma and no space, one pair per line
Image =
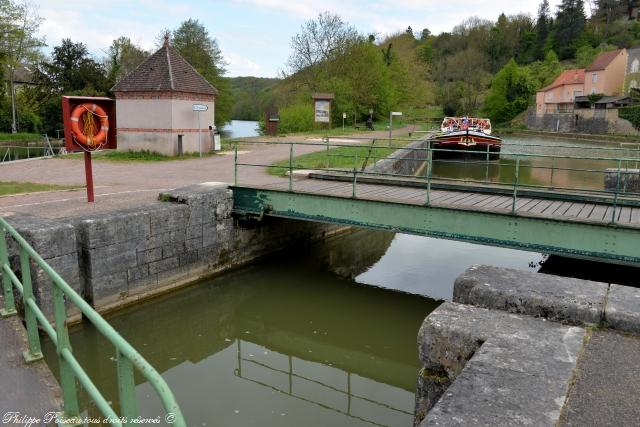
467,137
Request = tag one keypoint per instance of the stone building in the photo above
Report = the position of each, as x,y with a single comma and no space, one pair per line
154,105
632,75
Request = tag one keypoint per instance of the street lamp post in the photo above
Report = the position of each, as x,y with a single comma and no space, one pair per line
14,125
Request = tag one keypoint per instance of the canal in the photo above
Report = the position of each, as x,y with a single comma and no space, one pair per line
296,339
324,336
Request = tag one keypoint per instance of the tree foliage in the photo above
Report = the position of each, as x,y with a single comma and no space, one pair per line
543,29
19,44
249,97
123,57
569,25
319,41
509,94
201,50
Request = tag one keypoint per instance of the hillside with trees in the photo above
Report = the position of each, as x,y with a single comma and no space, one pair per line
480,67
248,96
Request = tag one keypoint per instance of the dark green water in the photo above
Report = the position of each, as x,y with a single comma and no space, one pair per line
297,339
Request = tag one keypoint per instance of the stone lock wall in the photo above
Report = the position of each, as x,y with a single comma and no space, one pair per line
56,244
404,161
627,181
117,258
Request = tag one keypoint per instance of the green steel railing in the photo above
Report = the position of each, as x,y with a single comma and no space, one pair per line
127,358
516,161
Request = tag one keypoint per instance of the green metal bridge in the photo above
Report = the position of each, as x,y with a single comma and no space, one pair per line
516,204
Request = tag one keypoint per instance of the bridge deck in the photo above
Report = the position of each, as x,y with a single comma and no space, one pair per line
483,202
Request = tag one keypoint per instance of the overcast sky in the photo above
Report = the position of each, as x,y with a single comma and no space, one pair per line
254,35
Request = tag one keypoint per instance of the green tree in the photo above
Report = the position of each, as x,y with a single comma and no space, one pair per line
542,73
320,40
123,57
72,69
509,93
195,44
19,44
569,25
543,29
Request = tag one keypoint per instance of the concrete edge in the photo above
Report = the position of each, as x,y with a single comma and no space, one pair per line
561,299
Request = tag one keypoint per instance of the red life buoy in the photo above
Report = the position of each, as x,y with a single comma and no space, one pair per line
91,140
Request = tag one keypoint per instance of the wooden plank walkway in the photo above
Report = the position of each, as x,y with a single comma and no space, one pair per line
484,202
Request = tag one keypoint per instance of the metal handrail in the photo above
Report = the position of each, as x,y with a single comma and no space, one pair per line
15,152
127,358
613,196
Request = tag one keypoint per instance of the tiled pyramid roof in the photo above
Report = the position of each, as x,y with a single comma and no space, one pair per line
165,70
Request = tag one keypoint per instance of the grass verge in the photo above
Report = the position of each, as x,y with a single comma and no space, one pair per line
136,156
11,137
12,187
355,156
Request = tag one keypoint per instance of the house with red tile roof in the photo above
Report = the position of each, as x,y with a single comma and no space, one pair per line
559,96
155,106
606,73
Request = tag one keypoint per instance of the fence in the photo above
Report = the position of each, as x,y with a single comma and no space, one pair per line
127,358
572,172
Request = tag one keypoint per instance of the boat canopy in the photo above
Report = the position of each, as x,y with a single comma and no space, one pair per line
450,124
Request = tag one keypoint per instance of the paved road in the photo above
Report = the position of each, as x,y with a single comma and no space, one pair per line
121,185
606,391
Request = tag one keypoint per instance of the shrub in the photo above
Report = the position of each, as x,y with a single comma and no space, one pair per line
632,114
296,118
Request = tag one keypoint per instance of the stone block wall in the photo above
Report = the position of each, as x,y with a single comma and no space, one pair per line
116,258
405,161
627,182
589,121
56,243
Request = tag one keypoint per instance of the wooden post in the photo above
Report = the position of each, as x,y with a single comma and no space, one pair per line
89,176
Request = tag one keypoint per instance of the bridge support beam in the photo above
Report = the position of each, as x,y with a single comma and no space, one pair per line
601,242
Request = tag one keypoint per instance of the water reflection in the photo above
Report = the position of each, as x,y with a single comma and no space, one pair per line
428,266
285,342
341,392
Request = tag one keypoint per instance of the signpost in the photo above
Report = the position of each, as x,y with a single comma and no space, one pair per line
344,116
391,114
198,108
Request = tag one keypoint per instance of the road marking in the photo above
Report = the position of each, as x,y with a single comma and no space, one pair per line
82,198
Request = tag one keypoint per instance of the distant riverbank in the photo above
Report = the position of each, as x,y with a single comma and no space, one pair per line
562,135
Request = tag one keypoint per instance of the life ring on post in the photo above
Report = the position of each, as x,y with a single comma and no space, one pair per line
86,135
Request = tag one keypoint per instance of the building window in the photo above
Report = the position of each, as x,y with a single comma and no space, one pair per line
594,77
635,65
577,93
633,84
